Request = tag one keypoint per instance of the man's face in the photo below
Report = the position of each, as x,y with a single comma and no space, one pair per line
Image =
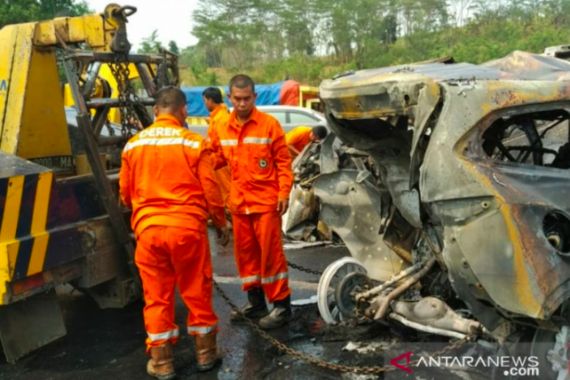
314,138
243,101
208,103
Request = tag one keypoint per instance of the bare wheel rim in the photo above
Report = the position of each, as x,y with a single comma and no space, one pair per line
330,278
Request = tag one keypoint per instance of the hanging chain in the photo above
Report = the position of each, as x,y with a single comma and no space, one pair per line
127,96
320,362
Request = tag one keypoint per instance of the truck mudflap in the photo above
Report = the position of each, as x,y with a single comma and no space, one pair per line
30,324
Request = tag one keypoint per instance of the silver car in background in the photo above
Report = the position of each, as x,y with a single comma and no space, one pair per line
288,116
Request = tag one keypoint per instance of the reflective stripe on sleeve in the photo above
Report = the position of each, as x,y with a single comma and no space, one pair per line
231,142
163,336
277,277
257,140
201,329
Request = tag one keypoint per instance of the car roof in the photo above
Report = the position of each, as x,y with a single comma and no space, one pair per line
312,112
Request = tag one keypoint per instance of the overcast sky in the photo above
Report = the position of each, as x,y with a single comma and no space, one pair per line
171,18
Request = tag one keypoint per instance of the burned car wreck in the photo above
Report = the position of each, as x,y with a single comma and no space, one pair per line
449,190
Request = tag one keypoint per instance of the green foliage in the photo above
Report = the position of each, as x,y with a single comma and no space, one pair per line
309,40
193,68
150,44
173,47
15,12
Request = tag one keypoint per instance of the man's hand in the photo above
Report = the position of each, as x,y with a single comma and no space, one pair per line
282,206
223,235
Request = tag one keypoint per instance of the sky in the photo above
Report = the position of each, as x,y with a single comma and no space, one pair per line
171,18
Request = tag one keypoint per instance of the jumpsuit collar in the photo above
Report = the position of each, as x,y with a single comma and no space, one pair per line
234,122
219,108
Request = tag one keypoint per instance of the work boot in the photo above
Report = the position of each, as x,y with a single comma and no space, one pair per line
280,315
161,363
255,307
206,351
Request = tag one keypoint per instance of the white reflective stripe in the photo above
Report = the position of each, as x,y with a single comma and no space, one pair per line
278,276
228,142
250,279
257,140
162,142
192,144
201,329
163,336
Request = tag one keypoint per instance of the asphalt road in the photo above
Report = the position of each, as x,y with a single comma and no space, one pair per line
105,344
109,344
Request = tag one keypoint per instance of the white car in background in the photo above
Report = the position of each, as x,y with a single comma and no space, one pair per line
291,116
288,116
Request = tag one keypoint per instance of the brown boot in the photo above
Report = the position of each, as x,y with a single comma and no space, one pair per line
206,351
280,315
161,363
254,309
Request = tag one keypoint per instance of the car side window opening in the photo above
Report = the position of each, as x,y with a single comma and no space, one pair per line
281,116
537,138
300,118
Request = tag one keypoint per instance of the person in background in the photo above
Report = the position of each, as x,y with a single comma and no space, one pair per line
219,117
299,137
166,179
253,145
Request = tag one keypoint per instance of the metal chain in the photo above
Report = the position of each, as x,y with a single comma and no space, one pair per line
370,370
303,269
127,95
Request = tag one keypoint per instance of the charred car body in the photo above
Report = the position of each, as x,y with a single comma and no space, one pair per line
449,191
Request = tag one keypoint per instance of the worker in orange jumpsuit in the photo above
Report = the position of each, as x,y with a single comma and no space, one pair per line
253,145
299,137
166,179
219,117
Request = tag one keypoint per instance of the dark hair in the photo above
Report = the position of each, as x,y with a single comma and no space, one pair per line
214,94
242,81
320,132
170,97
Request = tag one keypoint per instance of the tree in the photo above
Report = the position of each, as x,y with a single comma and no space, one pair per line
14,12
151,44
173,47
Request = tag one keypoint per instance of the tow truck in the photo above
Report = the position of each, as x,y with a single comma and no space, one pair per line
60,219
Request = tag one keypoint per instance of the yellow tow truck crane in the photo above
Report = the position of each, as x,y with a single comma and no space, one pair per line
59,224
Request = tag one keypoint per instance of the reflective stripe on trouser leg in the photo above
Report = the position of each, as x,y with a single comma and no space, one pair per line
158,280
246,251
192,260
272,279
274,273
194,330
167,335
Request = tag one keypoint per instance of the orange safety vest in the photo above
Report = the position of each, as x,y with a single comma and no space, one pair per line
220,116
167,178
259,161
299,137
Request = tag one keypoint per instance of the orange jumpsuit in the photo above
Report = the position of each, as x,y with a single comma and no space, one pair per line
298,138
260,167
219,118
166,178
